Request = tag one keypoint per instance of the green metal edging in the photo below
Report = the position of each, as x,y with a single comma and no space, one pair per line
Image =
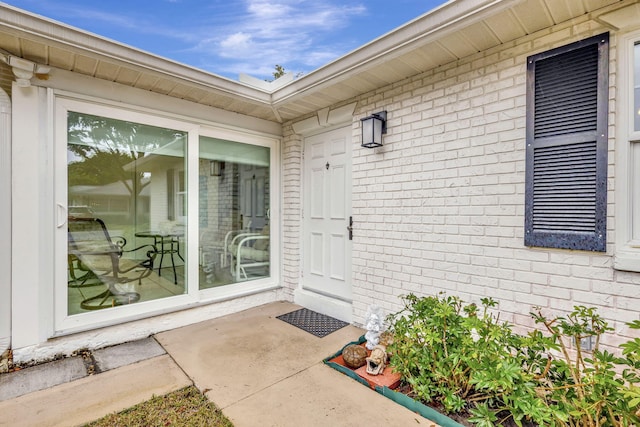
412,405
399,398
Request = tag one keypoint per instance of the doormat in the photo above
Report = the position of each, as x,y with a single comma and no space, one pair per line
316,324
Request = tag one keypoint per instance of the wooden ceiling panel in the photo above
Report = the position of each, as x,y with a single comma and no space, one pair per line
146,82
85,65
309,104
437,54
34,51
209,99
10,43
289,112
563,10
418,60
164,86
361,84
107,71
60,58
395,70
480,36
533,15
596,4
180,91
127,76
505,26
458,45
195,95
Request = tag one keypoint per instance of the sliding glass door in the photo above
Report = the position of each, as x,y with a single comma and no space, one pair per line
126,212
156,214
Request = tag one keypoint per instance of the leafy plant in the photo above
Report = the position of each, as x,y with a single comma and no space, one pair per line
465,358
592,391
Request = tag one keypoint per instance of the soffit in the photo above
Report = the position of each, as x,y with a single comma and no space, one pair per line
451,32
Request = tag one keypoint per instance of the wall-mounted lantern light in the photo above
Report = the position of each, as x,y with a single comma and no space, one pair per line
372,129
216,167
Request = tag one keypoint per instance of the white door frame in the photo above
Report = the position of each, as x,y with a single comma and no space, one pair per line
335,304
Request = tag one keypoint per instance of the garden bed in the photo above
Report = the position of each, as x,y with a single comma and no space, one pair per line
386,384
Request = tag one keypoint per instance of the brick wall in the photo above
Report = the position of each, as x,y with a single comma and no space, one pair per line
291,210
440,208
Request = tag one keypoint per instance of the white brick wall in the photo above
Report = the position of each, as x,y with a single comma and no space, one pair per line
440,208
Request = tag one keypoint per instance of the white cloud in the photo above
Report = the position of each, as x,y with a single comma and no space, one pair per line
236,41
280,32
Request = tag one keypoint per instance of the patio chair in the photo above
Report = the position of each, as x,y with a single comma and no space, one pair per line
246,250
95,258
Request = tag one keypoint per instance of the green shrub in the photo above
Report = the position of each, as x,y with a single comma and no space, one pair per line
466,359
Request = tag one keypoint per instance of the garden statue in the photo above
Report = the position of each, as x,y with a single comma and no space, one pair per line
373,325
377,360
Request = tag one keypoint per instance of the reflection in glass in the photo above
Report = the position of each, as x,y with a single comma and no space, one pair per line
127,212
233,212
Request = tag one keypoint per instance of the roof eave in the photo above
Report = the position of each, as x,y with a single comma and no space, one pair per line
449,17
23,23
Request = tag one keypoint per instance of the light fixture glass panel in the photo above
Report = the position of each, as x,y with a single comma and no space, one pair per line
377,131
367,131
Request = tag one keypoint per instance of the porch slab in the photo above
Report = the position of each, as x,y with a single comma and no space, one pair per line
94,396
320,396
237,356
258,369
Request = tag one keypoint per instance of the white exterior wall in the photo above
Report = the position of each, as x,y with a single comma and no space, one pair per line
440,207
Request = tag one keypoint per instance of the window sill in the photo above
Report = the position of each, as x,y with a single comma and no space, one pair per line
627,259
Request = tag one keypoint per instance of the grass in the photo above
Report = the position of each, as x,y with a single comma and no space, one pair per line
186,407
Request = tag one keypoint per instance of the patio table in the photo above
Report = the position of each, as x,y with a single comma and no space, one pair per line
167,244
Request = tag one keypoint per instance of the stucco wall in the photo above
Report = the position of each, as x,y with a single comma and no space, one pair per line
440,208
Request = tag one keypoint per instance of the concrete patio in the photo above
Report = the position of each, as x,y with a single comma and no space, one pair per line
258,369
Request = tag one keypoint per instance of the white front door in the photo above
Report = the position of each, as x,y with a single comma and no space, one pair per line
326,215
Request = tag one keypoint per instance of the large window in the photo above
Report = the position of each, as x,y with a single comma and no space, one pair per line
566,163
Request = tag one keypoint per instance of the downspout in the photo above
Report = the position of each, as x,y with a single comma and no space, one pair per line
5,225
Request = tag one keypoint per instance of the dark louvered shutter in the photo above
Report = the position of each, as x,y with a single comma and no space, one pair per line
566,164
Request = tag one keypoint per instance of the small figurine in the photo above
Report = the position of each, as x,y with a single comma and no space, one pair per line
377,360
374,325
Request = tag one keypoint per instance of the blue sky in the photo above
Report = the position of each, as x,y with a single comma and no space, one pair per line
229,37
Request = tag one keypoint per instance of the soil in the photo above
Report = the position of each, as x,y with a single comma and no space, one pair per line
461,417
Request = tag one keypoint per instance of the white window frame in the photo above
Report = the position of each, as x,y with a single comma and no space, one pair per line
627,253
65,324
